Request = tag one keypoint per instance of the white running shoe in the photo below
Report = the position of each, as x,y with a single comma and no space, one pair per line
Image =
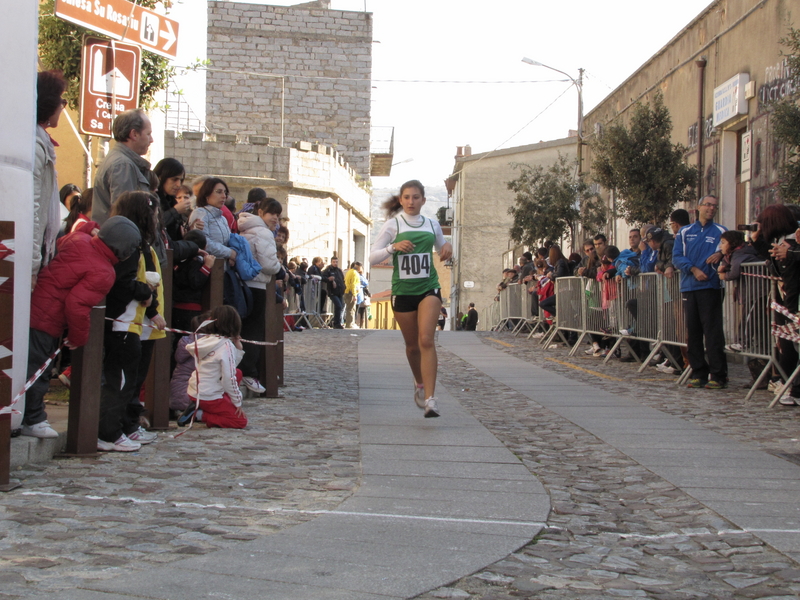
787,400
123,444
143,436
430,408
252,384
419,396
593,350
40,430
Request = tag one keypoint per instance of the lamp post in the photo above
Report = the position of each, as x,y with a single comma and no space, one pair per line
579,86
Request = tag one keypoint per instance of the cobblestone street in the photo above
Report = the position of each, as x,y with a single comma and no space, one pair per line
615,530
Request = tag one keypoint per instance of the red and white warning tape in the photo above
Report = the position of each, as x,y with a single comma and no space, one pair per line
192,332
7,410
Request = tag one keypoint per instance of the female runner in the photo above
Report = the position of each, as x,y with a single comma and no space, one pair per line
409,238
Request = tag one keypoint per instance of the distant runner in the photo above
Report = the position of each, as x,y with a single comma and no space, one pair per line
409,238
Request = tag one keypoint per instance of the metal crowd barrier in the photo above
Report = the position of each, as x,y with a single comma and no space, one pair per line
748,320
649,307
638,306
570,305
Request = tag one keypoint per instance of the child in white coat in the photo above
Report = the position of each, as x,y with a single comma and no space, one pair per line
215,381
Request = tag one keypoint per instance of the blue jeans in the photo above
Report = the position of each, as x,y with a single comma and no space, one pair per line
338,308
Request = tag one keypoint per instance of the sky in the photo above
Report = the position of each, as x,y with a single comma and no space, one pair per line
449,73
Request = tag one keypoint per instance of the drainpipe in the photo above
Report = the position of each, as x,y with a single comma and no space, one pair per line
701,71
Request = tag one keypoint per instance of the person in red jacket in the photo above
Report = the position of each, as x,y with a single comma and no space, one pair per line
77,278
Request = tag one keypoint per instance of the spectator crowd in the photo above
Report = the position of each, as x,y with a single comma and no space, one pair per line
707,259
112,241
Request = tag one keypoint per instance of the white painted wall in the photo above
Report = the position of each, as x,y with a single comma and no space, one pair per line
17,122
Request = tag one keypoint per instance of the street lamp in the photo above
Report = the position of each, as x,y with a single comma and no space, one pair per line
579,86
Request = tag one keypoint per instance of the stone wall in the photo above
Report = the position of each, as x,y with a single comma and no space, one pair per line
325,58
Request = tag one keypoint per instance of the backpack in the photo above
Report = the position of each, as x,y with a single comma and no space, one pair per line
246,265
236,294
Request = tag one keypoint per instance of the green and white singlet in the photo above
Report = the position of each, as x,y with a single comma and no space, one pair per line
414,273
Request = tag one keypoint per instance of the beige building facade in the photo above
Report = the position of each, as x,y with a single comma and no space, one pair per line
718,76
480,200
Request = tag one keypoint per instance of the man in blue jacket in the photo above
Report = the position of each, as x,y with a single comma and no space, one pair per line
695,254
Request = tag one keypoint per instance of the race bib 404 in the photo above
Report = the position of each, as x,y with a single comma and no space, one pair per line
414,266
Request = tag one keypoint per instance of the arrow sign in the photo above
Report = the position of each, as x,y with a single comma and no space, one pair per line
124,21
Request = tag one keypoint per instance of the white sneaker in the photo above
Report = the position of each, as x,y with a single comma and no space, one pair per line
123,444
594,349
628,331
734,348
774,386
40,430
787,400
430,408
142,436
419,396
103,446
252,384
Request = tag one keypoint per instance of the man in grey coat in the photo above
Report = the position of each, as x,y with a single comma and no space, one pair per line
124,169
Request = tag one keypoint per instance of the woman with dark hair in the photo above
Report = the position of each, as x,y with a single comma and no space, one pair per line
210,199
133,303
68,193
170,173
409,239
777,226
558,262
46,202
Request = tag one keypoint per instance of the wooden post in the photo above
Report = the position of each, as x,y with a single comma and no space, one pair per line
84,392
212,293
273,331
6,345
157,384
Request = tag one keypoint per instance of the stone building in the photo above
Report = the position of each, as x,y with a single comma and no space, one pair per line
292,73
718,76
481,199
288,110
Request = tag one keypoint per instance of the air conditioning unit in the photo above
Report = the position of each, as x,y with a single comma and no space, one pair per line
448,215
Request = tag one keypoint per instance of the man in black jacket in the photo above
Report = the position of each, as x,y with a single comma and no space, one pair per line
472,318
335,278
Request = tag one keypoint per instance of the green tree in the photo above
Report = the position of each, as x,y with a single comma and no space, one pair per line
60,48
549,203
786,124
643,166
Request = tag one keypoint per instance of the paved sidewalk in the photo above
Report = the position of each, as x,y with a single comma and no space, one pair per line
754,490
438,500
632,487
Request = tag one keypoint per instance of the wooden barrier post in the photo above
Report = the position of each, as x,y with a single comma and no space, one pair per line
212,293
273,331
6,344
83,420
156,386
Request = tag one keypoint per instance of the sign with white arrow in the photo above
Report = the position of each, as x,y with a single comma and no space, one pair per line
123,21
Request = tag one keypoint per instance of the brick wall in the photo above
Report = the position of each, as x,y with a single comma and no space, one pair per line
325,57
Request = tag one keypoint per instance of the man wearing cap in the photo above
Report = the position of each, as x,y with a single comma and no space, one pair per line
695,253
